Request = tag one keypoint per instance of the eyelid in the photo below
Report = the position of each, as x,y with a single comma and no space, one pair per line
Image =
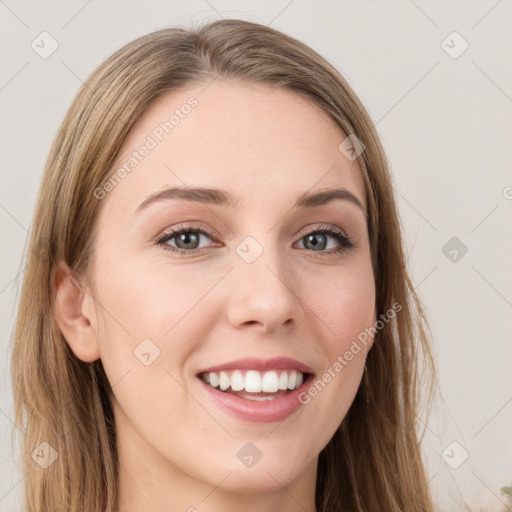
204,228
320,227
344,241
185,227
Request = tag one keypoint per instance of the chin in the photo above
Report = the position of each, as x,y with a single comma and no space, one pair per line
258,479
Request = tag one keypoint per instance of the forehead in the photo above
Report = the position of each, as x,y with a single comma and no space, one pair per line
266,145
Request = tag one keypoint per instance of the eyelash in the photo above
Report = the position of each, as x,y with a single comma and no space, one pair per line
345,242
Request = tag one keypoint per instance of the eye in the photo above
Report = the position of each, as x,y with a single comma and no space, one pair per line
187,239
317,240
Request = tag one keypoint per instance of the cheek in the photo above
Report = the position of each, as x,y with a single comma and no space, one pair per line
152,319
150,326
346,305
347,309
153,300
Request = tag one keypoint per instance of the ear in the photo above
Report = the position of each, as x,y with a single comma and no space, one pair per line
75,314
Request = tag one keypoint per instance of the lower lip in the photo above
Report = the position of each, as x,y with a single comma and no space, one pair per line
265,411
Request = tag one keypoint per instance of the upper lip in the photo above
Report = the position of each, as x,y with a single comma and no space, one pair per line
254,363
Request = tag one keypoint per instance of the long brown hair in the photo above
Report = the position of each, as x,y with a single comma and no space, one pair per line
373,462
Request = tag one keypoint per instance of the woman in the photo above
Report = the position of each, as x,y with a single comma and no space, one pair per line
216,310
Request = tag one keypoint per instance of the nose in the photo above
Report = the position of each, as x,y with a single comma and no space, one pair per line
265,294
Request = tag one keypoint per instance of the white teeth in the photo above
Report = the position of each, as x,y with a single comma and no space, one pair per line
270,382
254,381
237,381
259,398
224,381
214,379
283,381
292,379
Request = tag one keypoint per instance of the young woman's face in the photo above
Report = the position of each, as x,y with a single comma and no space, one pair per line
258,279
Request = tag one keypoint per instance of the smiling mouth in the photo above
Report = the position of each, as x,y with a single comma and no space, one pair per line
254,384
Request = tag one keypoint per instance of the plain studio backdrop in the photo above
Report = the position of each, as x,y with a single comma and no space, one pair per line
437,81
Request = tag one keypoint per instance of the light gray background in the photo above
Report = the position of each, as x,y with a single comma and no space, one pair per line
445,123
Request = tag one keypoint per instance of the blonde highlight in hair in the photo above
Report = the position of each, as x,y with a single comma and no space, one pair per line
373,462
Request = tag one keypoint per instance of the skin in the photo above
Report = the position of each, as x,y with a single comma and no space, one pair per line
178,450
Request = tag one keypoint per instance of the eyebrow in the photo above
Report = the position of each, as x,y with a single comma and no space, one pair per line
224,198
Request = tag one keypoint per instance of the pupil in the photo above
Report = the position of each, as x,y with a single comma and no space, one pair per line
185,238
311,238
